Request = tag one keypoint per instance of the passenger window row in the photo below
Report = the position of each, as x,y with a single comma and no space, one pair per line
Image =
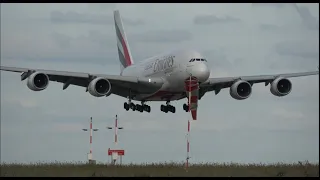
198,60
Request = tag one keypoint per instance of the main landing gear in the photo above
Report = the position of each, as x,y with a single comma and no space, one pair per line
167,108
129,105
186,107
138,107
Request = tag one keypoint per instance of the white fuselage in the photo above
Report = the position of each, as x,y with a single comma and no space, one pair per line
174,68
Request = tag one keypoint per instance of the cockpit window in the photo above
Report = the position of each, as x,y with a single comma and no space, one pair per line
192,60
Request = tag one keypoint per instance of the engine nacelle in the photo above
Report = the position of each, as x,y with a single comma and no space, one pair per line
240,90
280,87
99,87
38,81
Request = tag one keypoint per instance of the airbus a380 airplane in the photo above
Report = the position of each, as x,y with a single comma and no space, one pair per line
159,78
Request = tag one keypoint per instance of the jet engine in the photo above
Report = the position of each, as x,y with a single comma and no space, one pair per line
38,81
280,87
240,90
99,87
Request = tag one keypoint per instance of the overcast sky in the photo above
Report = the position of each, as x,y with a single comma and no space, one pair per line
237,39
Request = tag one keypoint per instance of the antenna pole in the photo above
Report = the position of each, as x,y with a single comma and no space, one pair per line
114,153
115,131
188,146
188,130
90,140
90,135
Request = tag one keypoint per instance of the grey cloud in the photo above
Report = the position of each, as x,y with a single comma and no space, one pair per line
300,49
277,5
63,41
131,22
103,40
8,113
296,55
268,27
75,17
101,6
93,36
163,36
211,19
308,20
239,61
220,59
217,58
99,59
95,46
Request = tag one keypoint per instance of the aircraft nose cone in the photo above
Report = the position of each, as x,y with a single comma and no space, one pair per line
200,71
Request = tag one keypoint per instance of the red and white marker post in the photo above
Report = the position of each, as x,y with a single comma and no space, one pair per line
90,157
115,153
188,146
192,91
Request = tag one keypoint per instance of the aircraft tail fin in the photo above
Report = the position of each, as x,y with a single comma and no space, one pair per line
124,53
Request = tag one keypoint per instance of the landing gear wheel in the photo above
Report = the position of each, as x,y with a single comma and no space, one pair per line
126,106
162,108
147,108
185,107
139,108
172,109
136,107
165,109
133,106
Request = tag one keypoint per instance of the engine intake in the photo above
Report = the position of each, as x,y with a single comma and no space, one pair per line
99,87
240,90
280,87
38,81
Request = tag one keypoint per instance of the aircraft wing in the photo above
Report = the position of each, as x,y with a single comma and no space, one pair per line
120,84
216,84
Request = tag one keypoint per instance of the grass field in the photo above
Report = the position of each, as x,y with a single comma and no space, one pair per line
164,170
